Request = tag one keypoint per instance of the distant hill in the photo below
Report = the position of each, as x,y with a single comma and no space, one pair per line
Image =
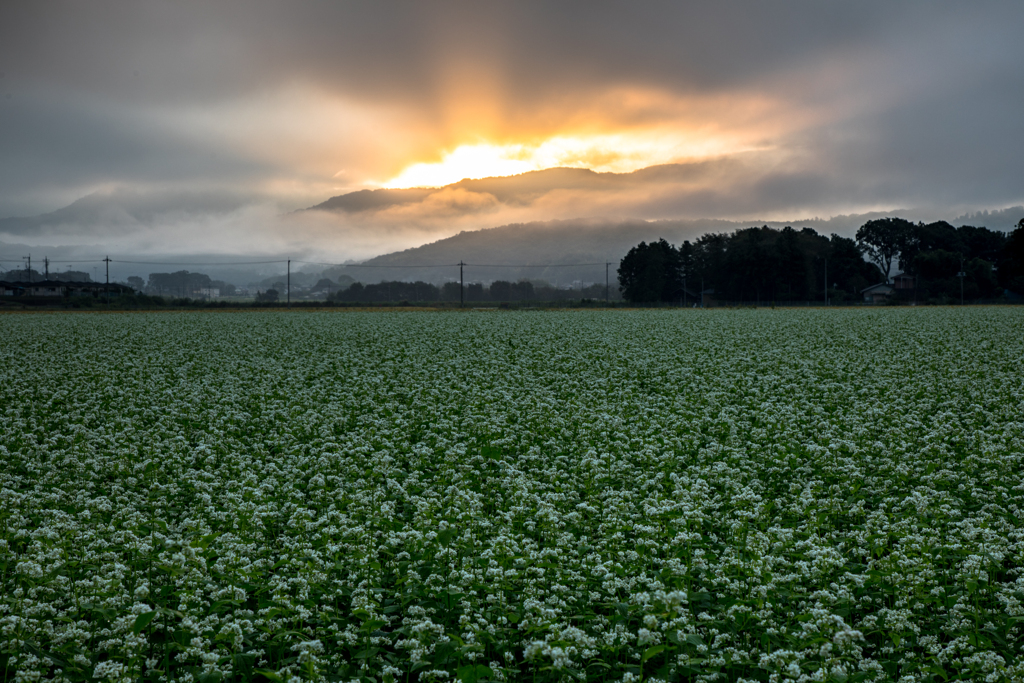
1003,219
121,208
164,231
371,200
552,249
506,189
503,252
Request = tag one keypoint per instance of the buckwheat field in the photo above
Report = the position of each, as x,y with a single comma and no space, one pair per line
516,496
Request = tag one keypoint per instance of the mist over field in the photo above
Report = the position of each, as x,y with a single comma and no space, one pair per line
394,227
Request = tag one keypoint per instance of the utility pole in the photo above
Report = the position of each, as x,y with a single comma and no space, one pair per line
28,268
462,287
606,283
288,285
106,289
46,263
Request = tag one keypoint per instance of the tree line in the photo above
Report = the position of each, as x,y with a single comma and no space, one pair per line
497,292
181,283
765,264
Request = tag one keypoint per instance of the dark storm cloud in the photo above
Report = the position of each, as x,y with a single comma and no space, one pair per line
161,50
892,104
49,142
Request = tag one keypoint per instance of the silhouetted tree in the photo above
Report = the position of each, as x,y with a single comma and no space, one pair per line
750,264
1011,261
450,291
791,282
178,283
501,290
651,272
709,261
522,290
847,269
882,239
981,242
325,285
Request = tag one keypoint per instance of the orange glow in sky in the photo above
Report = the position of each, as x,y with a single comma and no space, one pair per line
615,153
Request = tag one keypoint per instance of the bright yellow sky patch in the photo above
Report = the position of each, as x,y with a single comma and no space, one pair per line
601,153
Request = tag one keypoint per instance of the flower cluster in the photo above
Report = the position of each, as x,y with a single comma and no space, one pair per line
544,496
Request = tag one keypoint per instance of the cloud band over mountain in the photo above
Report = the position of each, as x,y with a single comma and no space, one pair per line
230,117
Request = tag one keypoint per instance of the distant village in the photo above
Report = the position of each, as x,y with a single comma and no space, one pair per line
35,287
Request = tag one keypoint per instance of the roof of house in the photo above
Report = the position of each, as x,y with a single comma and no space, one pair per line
881,286
63,283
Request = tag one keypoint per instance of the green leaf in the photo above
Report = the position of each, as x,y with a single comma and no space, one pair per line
694,639
243,662
271,675
445,537
652,651
143,620
53,658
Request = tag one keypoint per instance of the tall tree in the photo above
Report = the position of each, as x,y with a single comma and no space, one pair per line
709,260
847,268
1011,261
651,272
792,275
882,239
687,263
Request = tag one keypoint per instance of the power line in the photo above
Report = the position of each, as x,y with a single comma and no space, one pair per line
373,265
11,260
321,263
451,265
532,265
318,263
184,263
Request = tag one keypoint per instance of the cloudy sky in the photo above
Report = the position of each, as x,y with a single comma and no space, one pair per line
204,125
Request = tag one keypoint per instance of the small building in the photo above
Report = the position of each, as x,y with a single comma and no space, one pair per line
707,298
876,294
59,288
11,289
902,281
44,288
